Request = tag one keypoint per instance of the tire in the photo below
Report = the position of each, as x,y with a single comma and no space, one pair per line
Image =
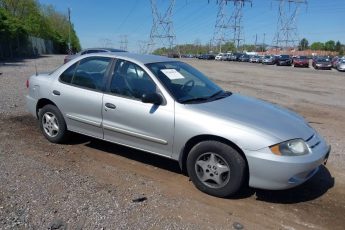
52,124
216,168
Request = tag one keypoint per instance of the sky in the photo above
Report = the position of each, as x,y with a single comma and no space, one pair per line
100,23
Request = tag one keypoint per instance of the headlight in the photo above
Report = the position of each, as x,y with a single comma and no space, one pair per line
318,64
296,147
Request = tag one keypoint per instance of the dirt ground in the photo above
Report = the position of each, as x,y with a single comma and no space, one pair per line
91,184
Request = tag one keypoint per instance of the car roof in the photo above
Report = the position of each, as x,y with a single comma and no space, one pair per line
107,49
142,58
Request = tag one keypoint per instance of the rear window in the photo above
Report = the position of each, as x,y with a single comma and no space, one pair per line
87,73
67,75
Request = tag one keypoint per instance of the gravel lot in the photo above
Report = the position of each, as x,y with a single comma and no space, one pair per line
91,184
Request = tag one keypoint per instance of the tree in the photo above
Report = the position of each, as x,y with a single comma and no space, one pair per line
228,46
31,18
317,46
338,46
330,45
303,44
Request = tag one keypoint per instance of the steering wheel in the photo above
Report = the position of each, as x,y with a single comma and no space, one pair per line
188,86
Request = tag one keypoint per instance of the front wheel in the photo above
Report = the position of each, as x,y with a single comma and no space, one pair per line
53,124
216,168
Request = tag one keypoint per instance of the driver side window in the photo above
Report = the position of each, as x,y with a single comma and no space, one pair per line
130,80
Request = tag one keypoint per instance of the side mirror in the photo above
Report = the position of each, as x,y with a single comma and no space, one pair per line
153,98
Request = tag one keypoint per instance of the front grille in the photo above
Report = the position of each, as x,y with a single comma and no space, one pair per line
313,141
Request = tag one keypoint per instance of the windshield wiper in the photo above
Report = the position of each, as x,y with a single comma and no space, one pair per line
196,99
218,95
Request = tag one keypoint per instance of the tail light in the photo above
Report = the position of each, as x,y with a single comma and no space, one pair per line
27,83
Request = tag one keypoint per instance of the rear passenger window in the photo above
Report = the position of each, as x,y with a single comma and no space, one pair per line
88,73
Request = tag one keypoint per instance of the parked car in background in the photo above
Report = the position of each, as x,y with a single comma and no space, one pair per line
269,60
322,63
244,58
90,51
254,59
335,62
207,57
219,57
284,60
235,56
301,61
341,64
168,108
261,58
226,57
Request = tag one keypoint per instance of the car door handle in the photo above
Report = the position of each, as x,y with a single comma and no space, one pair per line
110,106
57,93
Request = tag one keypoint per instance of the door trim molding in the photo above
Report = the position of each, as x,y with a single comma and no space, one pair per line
134,134
83,120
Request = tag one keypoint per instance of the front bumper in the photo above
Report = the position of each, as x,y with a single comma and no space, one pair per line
323,66
287,63
341,68
269,171
301,64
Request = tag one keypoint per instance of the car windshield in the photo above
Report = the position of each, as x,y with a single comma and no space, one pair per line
186,84
284,56
342,61
323,60
302,57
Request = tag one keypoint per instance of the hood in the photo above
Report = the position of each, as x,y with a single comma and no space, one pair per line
259,115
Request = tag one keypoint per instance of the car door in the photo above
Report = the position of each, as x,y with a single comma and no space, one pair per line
78,93
129,121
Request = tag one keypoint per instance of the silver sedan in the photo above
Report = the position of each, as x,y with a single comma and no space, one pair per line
166,107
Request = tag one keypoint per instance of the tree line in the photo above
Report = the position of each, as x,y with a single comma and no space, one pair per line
198,48
327,46
22,18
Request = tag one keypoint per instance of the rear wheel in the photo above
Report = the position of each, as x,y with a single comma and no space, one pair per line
216,168
53,124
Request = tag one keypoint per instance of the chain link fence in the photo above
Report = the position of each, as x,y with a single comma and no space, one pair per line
25,46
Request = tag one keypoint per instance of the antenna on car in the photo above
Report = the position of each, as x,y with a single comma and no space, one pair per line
35,67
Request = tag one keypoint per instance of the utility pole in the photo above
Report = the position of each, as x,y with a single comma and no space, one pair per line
162,31
225,24
124,42
263,43
287,33
69,31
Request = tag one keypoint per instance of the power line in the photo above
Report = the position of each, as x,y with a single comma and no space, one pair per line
129,14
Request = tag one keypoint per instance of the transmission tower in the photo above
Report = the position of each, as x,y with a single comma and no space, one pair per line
229,28
123,42
287,33
162,31
142,47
